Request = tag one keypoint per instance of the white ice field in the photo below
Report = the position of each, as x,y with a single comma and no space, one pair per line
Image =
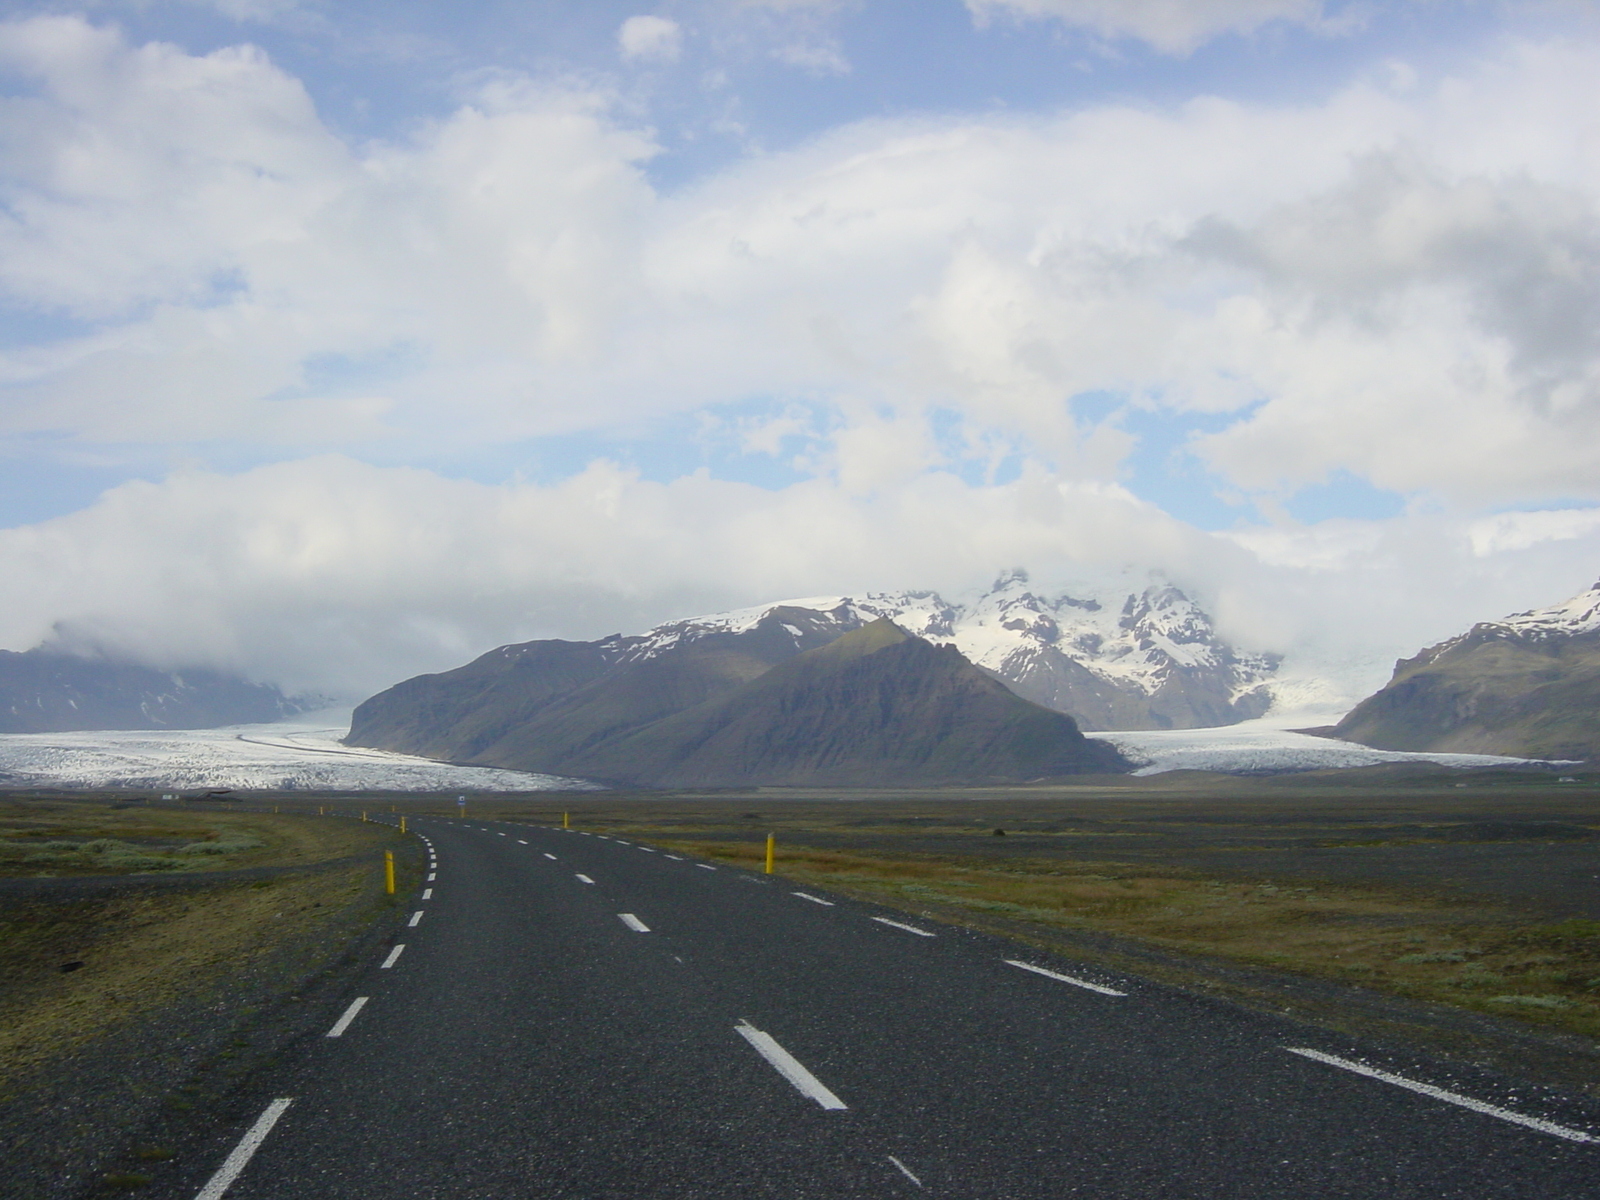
301,754
304,754
1262,747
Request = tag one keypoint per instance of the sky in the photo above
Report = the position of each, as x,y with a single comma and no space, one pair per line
345,340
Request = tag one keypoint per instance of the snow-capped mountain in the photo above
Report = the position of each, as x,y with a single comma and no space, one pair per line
1528,684
1140,660
1581,614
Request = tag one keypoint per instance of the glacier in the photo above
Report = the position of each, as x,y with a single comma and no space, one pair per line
300,754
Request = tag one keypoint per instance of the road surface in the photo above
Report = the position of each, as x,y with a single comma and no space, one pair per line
570,1015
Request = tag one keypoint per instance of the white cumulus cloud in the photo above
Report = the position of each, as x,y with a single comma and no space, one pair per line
650,39
1170,26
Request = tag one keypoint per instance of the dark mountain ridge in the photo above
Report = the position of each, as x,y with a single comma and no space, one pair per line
49,691
873,707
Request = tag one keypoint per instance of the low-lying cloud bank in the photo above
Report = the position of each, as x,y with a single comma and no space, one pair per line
335,575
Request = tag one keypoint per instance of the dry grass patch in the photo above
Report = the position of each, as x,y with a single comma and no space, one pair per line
1408,943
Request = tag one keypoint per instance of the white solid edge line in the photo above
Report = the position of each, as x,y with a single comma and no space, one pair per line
244,1151
905,1170
585,879
633,923
813,899
1427,1089
416,919
788,1066
1072,979
907,928
343,1022
393,954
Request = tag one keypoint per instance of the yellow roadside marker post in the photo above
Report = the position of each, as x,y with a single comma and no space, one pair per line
402,824
772,840
565,824
363,814
388,871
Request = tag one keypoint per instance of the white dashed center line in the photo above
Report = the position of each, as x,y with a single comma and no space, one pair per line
674,858
343,1022
1072,979
427,893
907,928
705,866
432,876
788,1066
905,1170
550,856
520,842
393,954
416,919
813,899
244,1151
1426,1089
584,879
633,923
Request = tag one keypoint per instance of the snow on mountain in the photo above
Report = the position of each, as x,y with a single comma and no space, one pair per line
1581,614
1139,660
302,754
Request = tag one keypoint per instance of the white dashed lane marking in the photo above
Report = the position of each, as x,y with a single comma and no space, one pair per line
788,1066
907,928
813,899
584,879
427,893
343,1022
1072,979
244,1151
550,856
416,919
393,954
633,923
705,866
1427,1089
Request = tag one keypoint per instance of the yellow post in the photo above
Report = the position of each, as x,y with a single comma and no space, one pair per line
565,824
772,840
363,814
402,824
388,871
321,811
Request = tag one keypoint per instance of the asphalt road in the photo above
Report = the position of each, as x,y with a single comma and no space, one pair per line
573,1016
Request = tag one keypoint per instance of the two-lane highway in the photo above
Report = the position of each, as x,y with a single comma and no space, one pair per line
576,1015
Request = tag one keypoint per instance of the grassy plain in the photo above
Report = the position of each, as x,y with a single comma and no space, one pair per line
78,958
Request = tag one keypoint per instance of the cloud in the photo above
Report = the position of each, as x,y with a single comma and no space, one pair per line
1177,27
650,39
1397,282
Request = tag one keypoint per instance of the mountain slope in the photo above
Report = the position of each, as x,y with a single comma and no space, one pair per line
522,706
874,707
1527,685
46,691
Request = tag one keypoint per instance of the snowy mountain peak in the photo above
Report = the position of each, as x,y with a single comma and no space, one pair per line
1149,659
1581,614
